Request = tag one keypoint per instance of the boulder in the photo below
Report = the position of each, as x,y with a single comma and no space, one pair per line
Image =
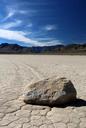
51,91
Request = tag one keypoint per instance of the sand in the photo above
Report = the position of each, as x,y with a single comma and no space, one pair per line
18,71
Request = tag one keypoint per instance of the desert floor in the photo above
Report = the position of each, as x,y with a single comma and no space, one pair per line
18,71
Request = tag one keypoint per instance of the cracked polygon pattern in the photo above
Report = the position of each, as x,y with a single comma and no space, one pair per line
17,71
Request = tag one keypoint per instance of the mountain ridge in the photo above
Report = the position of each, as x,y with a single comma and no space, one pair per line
6,48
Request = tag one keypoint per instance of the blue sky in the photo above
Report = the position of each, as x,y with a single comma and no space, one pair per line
42,22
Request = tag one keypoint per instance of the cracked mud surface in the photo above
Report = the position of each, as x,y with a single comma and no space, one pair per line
18,71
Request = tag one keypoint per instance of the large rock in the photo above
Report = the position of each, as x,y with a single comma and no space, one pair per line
51,91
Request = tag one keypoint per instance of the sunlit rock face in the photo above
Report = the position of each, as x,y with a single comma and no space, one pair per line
51,91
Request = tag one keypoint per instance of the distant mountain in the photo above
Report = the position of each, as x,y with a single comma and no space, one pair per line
6,48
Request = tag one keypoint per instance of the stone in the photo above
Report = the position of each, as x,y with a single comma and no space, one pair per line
51,91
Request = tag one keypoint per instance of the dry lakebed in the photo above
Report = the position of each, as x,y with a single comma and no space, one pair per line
19,71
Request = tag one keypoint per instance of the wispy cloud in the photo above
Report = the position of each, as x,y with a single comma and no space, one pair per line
18,36
22,11
50,27
21,37
46,41
10,13
9,25
30,25
53,42
9,22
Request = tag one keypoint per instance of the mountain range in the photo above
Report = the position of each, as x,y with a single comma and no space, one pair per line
6,48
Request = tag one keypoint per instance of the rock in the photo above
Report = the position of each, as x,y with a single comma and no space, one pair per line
51,91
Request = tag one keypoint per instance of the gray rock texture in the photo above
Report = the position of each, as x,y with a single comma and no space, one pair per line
51,91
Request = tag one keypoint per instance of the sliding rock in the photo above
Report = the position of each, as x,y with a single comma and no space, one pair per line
51,91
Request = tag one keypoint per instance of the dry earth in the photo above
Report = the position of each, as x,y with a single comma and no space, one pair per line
18,71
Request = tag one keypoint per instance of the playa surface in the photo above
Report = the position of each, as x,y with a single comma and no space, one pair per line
18,71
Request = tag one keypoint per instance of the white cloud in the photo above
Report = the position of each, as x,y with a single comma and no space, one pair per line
11,24
21,37
50,27
12,10
10,13
46,41
30,25
22,11
53,42
18,36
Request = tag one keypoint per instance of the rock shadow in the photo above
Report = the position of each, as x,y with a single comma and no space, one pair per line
75,103
78,103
